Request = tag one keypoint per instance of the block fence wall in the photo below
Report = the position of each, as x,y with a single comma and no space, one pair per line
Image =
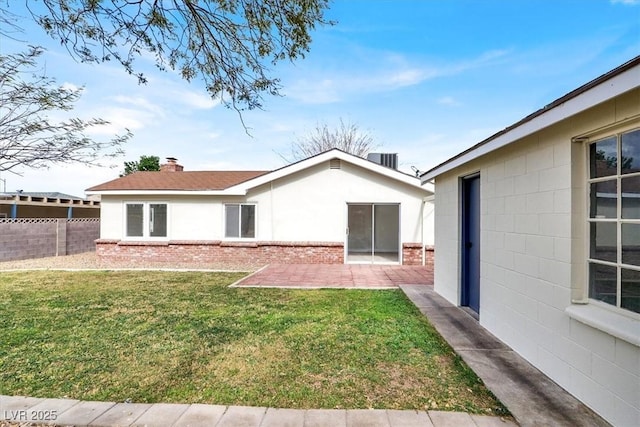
243,253
25,238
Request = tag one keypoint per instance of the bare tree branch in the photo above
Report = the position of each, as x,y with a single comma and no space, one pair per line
228,44
28,136
347,137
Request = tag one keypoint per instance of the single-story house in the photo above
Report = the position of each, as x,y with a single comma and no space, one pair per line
330,208
538,236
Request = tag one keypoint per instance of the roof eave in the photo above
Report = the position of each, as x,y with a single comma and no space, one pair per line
226,192
620,80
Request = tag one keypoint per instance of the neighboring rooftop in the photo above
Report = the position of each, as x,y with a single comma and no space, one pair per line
40,194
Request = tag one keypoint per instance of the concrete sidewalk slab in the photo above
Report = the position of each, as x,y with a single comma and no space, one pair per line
451,419
18,403
109,414
531,397
200,415
161,414
83,413
283,418
325,418
409,418
61,405
121,414
367,418
242,416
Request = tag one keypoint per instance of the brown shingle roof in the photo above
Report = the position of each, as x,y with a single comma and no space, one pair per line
192,180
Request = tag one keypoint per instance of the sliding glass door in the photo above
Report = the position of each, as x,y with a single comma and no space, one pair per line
373,233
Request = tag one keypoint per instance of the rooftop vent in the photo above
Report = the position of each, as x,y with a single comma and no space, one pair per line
334,164
389,160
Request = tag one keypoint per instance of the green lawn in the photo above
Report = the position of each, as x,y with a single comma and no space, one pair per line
187,337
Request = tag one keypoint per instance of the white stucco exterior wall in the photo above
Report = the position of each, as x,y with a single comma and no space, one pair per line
312,205
533,259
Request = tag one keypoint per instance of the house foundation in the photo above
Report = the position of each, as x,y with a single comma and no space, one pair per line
240,253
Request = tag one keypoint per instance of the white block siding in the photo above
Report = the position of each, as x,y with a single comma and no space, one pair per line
310,205
533,259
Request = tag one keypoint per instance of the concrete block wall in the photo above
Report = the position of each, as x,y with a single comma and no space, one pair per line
81,236
27,238
533,264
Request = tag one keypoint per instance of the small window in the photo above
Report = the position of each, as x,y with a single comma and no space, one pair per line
134,220
146,220
614,220
158,220
240,221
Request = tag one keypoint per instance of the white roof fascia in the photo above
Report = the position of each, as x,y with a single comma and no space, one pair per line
320,158
615,86
166,193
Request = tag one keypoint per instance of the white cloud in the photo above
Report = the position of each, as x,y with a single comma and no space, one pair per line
384,73
194,99
626,2
141,102
119,119
449,101
70,86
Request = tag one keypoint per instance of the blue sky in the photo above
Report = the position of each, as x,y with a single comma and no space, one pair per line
425,79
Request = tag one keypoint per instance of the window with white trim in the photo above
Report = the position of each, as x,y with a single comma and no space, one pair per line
240,220
145,219
614,220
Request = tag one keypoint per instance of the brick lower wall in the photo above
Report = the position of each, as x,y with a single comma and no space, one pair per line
412,254
26,238
218,252
238,253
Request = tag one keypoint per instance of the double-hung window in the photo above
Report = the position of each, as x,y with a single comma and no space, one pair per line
146,220
614,220
240,220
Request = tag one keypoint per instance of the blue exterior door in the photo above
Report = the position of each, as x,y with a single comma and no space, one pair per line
471,243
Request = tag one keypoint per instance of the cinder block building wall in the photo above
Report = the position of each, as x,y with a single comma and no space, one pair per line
534,247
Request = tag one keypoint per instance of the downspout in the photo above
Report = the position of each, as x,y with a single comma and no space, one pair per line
271,207
424,201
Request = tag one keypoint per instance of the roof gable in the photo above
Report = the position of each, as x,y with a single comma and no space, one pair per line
326,156
234,182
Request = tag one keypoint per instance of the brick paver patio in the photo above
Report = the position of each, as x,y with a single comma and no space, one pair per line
338,276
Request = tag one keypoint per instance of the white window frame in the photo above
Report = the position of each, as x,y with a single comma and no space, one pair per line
224,221
146,220
618,220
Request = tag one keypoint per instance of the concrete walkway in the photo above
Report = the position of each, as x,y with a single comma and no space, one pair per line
63,412
532,398
366,276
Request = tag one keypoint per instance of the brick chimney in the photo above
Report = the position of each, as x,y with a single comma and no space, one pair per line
171,165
